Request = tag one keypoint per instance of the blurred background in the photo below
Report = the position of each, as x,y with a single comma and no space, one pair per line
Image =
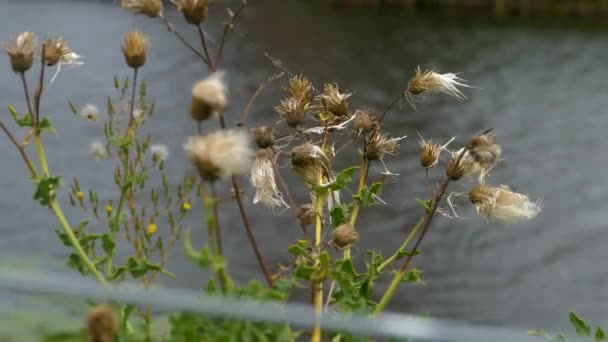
537,73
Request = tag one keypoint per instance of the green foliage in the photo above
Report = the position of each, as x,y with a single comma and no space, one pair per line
368,195
45,189
582,329
341,181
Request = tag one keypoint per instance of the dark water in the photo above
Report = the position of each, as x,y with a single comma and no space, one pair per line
541,86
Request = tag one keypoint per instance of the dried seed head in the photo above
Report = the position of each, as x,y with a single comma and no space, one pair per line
309,162
263,180
306,215
194,11
263,136
101,324
484,149
134,48
97,149
333,101
431,81
21,51
151,8
220,154
460,166
55,49
364,121
382,144
293,111
159,152
502,204
300,88
429,153
344,236
208,97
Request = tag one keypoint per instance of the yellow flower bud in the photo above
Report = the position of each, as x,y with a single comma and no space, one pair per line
151,229
80,195
109,209
186,206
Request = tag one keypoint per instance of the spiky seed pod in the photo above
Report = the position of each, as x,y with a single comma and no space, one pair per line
101,324
502,204
294,111
208,97
484,149
300,88
194,11
364,121
220,154
344,236
306,215
333,101
459,167
429,153
134,48
55,49
263,180
263,136
21,51
309,162
382,144
431,81
151,8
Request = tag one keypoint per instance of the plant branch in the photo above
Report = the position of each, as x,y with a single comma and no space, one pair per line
21,150
216,215
38,94
227,27
402,95
403,246
356,207
210,206
317,285
172,29
260,90
27,98
209,62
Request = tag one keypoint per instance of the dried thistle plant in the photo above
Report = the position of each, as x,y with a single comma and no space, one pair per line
263,180
21,52
151,8
310,163
134,48
55,50
194,11
502,204
333,102
434,82
208,97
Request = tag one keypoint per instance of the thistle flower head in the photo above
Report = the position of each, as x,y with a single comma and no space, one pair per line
194,11
89,112
293,111
382,144
502,204
55,50
430,152
98,150
263,136
101,324
344,236
306,215
159,152
484,149
333,101
151,8
263,180
134,48
21,51
364,121
220,154
309,162
299,87
431,81
461,164
208,97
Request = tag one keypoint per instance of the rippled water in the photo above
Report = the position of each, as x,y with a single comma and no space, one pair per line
541,86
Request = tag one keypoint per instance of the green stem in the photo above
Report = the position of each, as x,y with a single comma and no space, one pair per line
317,285
355,211
390,292
74,241
40,150
210,205
403,245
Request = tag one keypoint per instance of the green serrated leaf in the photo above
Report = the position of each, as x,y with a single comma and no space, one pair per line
340,182
299,248
120,141
304,272
425,204
117,273
367,195
64,238
107,244
600,336
24,121
45,189
413,276
45,125
582,329
339,214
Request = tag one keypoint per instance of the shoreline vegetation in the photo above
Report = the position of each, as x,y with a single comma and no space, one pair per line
500,8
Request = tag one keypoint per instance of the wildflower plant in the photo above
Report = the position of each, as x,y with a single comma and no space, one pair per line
312,127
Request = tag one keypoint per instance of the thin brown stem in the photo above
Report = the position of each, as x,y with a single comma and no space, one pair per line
252,239
172,29
402,95
227,28
27,98
38,94
210,65
26,159
260,90
132,108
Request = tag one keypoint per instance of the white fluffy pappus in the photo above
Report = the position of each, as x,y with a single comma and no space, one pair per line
264,182
211,91
89,111
159,151
97,149
502,204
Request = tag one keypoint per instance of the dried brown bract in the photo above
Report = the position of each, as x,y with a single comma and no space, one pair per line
55,49
101,324
300,88
21,51
151,8
484,149
364,122
333,101
194,11
263,136
134,48
293,111
344,236
310,163
306,215
431,81
382,144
